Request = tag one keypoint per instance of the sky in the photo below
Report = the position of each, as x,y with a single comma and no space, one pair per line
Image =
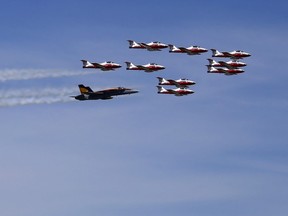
220,151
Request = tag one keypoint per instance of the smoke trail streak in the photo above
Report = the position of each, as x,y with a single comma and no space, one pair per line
35,96
23,74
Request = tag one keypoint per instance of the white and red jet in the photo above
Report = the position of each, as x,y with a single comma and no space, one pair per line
192,50
176,92
180,83
237,54
226,71
232,63
150,67
104,66
152,46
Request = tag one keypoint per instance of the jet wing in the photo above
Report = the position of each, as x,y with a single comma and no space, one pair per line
173,92
106,98
97,65
144,68
231,56
149,47
102,67
177,84
183,49
100,95
177,93
230,74
227,65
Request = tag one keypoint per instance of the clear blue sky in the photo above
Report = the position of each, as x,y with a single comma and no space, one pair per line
221,151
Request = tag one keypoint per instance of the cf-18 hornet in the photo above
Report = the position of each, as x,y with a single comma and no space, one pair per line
226,71
232,63
88,94
104,66
176,92
192,50
180,83
152,46
147,67
237,54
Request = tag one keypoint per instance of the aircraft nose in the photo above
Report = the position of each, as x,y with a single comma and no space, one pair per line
131,91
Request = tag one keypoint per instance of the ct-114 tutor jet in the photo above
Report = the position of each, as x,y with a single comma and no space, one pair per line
192,50
232,63
237,54
104,66
226,71
176,92
151,67
180,83
152,46
88,94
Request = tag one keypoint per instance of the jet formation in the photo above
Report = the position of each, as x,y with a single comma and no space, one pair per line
231,67
181,86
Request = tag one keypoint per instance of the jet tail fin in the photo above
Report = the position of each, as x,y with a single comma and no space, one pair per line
85,89
172,48
161,80
86,63
215,52
129,65
211,61
130,42
133,43
161,89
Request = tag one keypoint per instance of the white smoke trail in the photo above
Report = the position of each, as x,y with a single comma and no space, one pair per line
26,74
35,96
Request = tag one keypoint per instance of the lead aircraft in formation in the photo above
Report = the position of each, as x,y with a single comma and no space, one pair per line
231,67
237,54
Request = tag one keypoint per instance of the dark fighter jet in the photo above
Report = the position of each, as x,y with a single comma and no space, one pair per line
88,94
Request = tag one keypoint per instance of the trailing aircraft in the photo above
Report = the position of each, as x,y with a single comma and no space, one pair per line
192,50
151,67
226,71
152,46
180,83
237,54
232,63
88,94
176,92
104,66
